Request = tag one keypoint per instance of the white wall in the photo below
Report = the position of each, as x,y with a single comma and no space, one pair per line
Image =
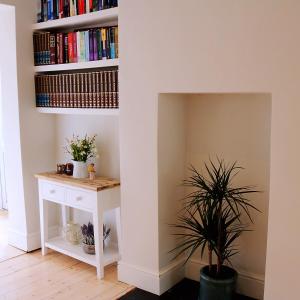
28,135
208,46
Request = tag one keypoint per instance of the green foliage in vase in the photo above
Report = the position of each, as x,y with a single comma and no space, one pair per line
211,218
81,149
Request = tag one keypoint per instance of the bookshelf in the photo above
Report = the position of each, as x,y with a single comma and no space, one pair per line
79,111
78,66
102,18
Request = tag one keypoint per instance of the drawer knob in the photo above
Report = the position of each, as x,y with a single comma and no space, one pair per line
52,191
78,198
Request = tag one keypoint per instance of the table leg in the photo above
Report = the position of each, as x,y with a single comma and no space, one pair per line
44,224
98,234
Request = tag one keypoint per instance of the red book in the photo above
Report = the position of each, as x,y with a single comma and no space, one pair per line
61,9
75,47
81,5
70,47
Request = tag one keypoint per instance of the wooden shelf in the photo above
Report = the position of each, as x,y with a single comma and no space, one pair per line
105,63
79,111
59,244
99,17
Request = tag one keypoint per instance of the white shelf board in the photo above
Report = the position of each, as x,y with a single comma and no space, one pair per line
79,111
102,16
59,244
104,63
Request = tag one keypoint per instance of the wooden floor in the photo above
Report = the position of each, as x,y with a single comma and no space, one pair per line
6,251
56,276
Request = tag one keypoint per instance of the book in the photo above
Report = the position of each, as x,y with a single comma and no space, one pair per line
66,48
52,49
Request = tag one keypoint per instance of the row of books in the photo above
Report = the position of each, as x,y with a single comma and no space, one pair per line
84,90
58,9
79,46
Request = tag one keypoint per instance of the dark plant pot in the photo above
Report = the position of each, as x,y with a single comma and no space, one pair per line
217,288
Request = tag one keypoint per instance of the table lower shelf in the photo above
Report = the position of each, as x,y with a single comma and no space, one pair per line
59,244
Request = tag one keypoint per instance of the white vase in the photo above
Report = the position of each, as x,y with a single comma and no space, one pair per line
80,169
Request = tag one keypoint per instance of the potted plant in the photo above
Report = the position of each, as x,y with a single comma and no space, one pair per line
88,241
211,220
81,150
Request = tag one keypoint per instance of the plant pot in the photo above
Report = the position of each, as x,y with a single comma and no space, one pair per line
89,249
80,169
217,288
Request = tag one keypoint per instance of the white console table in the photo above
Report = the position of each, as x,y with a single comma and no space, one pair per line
95,196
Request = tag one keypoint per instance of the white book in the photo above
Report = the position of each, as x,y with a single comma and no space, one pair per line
87,6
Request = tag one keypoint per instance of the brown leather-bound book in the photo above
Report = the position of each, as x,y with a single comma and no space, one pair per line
94,96
75,100
85,90
98,99
52,49
66,90
70,85
105,85
109,89
90,90
102,98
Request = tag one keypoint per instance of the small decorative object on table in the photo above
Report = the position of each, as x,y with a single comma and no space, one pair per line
88,241
72,233
69,169
81,150
60,168
92,172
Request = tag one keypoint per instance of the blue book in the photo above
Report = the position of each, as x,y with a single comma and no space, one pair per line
50,9
112,43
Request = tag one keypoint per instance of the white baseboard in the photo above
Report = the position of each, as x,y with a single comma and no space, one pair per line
251,285
29,242
153,282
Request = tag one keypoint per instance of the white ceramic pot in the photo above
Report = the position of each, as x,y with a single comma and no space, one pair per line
80,169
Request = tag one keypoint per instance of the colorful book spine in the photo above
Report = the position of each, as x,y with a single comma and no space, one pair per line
52,49
91,45
75,55
66,48
70,47
87,45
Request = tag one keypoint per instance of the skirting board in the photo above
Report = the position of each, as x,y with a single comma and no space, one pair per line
156,283
251,285
29,242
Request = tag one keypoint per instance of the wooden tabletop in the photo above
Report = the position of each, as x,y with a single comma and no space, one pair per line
98,184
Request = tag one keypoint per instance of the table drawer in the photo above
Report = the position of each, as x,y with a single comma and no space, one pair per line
80,199
53,192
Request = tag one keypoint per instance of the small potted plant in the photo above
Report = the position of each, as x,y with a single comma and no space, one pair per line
81,149
211,221
88,241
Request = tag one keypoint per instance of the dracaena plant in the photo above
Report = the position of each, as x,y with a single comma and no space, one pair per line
211,218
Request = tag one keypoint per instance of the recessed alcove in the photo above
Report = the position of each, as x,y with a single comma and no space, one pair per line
235,127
